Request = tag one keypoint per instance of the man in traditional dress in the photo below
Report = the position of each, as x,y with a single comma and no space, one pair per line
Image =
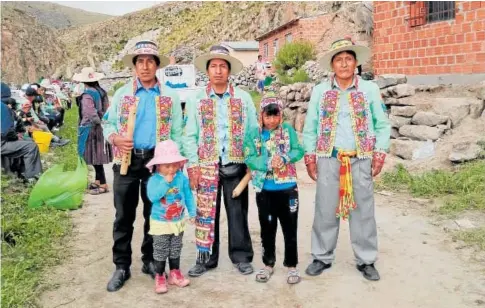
217,119
158,118
346,137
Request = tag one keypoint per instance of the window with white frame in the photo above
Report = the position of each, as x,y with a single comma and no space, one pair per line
265,50
275,47
289,37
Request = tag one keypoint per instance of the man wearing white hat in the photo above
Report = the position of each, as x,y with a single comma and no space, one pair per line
217,119
346,137
158,118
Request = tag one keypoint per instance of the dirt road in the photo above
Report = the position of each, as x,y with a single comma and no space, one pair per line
418,262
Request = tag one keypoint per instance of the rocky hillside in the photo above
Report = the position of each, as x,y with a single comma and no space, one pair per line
184,29
56,16
29,49
188,28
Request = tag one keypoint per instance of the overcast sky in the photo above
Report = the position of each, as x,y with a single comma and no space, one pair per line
116,8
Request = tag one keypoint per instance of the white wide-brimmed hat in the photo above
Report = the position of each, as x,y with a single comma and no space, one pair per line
218,52
145,47
46,83
88,74
362,53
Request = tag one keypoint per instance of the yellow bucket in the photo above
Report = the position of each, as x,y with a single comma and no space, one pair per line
43,140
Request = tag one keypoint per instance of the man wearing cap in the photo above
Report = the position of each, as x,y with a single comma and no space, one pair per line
346,137
158,118
217,119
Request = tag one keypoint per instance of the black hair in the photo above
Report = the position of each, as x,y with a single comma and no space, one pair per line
208,63
92,84
350,52
157,60
10,102
260,56
271,110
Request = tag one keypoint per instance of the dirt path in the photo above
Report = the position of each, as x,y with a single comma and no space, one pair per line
419,265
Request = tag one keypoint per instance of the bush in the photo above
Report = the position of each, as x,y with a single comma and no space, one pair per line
299,76
118,66
116,86
293,56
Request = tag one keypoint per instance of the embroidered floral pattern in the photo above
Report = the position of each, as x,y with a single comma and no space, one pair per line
164,116
126,103
360,112
236,130
327,116
208,144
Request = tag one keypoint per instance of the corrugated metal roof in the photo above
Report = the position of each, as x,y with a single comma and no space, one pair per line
242,45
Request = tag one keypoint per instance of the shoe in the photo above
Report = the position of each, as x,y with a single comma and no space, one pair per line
177,278
160,284
118,279
369,272
199,270
316,268
149,269
244,268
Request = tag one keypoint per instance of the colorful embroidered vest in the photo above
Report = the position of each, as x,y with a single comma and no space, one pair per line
208,150
278,143
164,117
360,115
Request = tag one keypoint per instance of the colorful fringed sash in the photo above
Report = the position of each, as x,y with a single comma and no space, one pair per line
346,192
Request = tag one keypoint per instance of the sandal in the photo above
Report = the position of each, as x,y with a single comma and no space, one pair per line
264,274
93,186
293,276
99,190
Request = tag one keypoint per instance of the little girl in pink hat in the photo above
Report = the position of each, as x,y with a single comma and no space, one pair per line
169,191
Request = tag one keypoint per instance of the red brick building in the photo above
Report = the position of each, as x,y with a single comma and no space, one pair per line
309,28
429,37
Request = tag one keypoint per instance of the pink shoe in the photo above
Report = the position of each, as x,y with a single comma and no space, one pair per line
176,278
160,284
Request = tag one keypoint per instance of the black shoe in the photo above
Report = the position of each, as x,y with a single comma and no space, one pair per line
149,269
244,268
199,270
369,272
316,268
118,279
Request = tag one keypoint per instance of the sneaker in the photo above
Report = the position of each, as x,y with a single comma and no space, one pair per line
160,284
177,278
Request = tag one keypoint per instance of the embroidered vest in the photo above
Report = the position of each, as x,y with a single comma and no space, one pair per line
163,115
278,143
359,113
208,150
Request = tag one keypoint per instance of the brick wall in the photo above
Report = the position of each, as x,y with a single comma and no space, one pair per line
310,29
454,46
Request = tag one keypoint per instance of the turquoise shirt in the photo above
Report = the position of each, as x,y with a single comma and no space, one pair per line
222,123
379,124
145,134
344,135
192,128
169,200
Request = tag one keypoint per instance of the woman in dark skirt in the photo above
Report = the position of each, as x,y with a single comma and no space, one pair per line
92,146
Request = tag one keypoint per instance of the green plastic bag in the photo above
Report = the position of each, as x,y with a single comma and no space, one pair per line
60,189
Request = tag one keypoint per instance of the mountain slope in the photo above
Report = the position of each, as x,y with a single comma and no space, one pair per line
55,15
29,49
194,26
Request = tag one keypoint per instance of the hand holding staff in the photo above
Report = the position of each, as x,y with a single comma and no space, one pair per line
126,159
242,185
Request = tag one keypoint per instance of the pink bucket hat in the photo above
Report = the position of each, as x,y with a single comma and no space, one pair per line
166,152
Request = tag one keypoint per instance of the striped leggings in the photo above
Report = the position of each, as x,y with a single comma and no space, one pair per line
167,246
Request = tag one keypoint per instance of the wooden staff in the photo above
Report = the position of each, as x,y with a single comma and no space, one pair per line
126,159
242,185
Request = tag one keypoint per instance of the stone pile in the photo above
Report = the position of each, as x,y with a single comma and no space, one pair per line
295,98
246,78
